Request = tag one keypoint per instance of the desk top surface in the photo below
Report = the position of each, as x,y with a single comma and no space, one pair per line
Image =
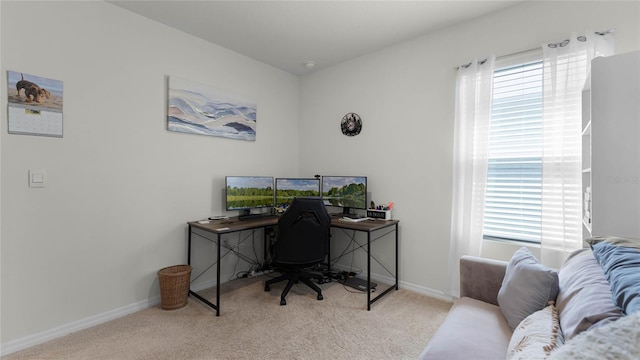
234,224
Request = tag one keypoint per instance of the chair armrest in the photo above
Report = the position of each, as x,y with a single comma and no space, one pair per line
481,278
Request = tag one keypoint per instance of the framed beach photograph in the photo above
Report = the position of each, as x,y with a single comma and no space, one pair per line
34,104
200,109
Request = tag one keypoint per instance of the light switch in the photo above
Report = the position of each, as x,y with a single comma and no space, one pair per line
37,178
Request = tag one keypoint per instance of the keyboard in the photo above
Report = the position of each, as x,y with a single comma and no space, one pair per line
344,218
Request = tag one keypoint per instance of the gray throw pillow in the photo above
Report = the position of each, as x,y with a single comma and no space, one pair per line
527,287
585,298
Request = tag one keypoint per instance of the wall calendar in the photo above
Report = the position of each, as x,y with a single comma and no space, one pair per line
35,105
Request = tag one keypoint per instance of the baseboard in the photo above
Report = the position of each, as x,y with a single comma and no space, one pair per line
402,284
204,285
63,330
426,291
201,285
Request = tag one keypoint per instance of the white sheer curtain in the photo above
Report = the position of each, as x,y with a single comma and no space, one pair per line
566,67
471,138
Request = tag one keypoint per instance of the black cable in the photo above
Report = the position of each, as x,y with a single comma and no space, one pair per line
376,260
362,246
344,252
237,257
230,249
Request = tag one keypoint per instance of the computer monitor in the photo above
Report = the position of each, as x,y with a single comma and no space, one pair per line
289,188
248,192
348,192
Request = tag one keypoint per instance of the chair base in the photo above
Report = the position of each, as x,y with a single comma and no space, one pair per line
293,278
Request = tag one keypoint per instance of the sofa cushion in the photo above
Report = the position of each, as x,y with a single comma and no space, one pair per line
584,299
536,336
620,261
618,340
473,329
527,287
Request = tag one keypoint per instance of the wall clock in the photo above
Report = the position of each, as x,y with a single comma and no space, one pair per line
351,124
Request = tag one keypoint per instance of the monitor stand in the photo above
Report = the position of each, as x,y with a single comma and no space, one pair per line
346,212
248,215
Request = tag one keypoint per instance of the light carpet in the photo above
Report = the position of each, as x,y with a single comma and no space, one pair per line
253,325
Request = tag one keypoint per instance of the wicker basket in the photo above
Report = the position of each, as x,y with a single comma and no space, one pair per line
174,286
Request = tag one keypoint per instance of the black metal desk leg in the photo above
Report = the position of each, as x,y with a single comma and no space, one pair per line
218,279
368,270
189,248
397,275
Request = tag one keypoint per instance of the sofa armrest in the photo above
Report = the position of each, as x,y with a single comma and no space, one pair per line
481,278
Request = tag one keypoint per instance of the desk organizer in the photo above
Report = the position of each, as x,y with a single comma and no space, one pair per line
379,214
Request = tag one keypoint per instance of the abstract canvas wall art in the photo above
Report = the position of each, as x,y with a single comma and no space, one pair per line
200,109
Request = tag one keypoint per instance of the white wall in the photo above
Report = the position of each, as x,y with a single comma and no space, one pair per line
120,186
405,96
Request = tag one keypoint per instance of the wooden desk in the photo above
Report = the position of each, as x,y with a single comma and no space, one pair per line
220,227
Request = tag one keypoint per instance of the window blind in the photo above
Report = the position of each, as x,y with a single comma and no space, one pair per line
514,174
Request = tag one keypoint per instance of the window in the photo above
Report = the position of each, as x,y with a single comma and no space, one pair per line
514,173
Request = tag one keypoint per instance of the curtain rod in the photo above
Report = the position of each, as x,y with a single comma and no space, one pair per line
551,45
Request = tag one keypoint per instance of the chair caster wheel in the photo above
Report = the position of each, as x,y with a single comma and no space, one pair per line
320,297
267,288
283,302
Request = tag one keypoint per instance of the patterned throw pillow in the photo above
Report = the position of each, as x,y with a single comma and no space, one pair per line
536,336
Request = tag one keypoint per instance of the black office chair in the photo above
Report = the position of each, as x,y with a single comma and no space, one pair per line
303,242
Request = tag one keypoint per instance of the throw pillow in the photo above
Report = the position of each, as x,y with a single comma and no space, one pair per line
526,288
620,261
619,340
584,299
536,336
615,240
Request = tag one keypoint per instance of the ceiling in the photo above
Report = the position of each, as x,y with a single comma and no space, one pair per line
288,34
